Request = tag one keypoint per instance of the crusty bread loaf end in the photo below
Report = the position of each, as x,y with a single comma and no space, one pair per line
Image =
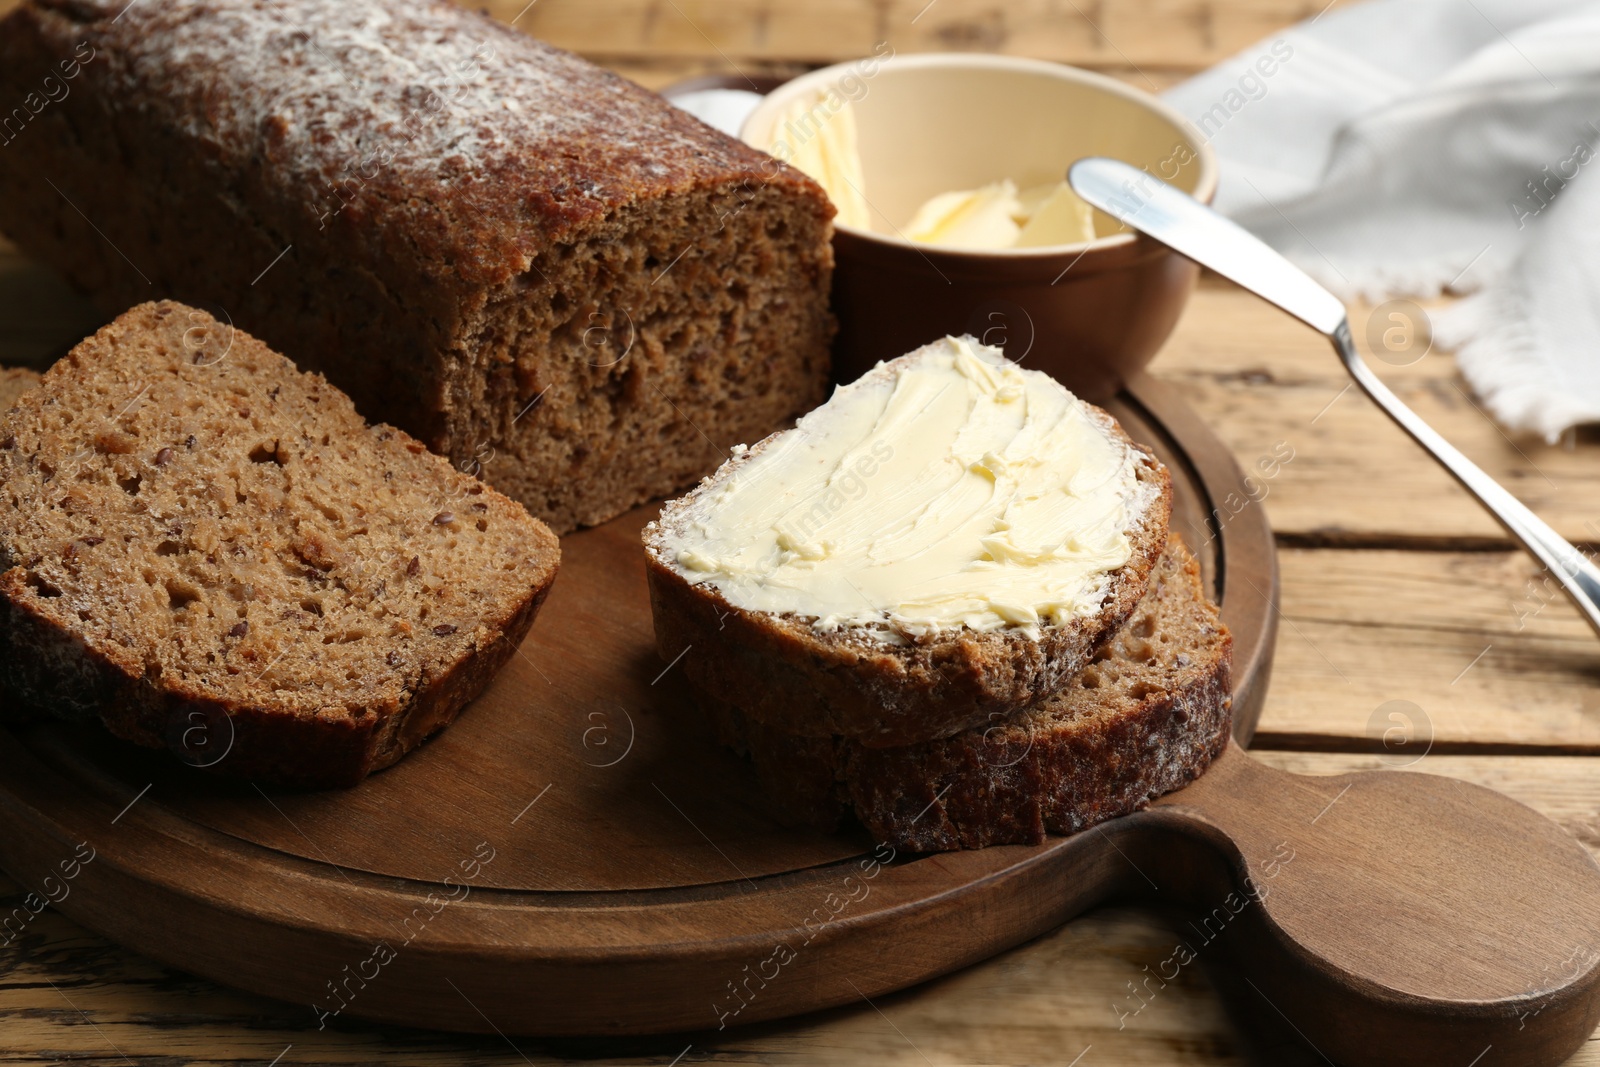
541,270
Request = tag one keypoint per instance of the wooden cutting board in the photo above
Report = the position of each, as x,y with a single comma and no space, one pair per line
575,856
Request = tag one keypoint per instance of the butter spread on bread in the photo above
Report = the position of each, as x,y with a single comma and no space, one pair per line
949,488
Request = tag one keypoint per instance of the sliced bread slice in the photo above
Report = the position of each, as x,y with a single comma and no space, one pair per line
14,381
212,552
1146,717
941,544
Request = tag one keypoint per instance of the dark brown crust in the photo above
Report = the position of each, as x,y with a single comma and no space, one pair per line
781,672
48,669
45,670
1013,784
619,143
410,243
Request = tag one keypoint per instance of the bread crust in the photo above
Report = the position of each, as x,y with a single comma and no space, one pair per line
784,674
47,671
463,215
1052,772
49,667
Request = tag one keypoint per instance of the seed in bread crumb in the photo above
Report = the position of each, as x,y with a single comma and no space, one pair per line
414,566
443,631
76,549
163,457
240,629
444,518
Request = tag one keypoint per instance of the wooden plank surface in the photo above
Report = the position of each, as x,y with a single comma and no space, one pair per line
1262,379
67,994
1184,34
1400,598
1488,654
1148,39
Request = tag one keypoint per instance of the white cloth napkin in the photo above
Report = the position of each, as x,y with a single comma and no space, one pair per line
1387,148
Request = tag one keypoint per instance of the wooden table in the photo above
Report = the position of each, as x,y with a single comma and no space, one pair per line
1396,587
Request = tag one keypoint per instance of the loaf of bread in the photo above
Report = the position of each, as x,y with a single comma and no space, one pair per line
537,268
1147,716
14,381
212,552
908,562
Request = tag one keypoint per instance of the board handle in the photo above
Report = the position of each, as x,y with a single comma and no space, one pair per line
1391,917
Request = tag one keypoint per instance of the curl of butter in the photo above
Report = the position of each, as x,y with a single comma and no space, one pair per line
998,216
817,135
948,488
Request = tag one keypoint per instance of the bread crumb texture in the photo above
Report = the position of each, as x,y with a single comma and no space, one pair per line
1146,716
878,685
14,381
541,270
193,523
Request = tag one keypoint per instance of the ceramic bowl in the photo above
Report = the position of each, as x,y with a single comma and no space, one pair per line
1091,313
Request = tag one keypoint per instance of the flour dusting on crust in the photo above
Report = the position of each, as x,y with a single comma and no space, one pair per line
366,109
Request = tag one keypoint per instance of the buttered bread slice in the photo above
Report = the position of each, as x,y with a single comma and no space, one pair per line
940,545
1146,717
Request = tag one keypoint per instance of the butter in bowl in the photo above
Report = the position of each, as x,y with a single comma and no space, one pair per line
954,216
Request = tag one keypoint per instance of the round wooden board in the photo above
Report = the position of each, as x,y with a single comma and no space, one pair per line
574,855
